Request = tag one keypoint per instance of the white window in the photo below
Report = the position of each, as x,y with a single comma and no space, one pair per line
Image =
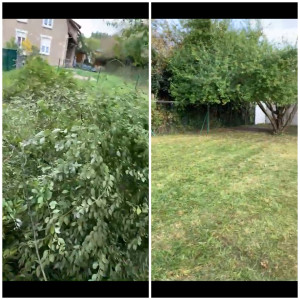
45,44
48,23
22,20
20,37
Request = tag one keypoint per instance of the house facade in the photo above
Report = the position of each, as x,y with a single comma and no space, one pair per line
56,39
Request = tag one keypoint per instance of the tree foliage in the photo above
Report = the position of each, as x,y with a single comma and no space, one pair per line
11,44
165,38
75,192
89,46
134,42
217,64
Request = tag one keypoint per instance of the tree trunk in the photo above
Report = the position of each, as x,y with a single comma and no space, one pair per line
279,116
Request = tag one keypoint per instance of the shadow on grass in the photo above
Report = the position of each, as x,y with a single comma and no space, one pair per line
261,128
267,128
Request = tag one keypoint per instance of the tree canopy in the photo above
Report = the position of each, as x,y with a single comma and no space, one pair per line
130,45
217,64
134,42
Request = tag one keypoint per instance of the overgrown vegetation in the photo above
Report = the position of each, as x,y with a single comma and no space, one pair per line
208,62
129,45
35,80
167,118
224,206
75,179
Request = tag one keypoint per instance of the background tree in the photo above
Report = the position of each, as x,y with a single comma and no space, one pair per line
219,64
11,44
165,37
89,46
99,35
272,84
133,42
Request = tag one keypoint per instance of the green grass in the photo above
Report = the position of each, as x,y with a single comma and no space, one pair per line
224,206
108,84
109,81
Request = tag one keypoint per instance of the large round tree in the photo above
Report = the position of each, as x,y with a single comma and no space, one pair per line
218,64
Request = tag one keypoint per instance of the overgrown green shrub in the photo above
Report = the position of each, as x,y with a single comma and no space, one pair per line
165,121
75,183
36,78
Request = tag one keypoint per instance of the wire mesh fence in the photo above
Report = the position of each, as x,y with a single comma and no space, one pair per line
131,74
167,118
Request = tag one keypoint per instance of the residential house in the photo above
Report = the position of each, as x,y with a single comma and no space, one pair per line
55,38
73,35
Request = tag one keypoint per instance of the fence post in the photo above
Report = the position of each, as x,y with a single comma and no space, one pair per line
137,81
207,118
98,74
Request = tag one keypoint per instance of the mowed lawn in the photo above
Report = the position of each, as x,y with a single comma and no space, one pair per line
224,206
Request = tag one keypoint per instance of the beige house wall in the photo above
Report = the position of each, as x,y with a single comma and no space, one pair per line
34,28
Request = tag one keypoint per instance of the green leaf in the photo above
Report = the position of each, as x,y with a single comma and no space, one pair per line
51,257
61,241
94,277
138,211
38,271
48,194
95,265
45,254
52,204
104,259
66,220
118,267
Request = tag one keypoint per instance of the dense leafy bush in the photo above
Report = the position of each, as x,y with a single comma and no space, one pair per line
36,78
167,118
75,184
164,121
217,64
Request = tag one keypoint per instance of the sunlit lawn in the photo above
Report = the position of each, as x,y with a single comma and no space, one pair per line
111,83
224,206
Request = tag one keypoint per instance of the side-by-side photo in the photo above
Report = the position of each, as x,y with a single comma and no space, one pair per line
224,149
75,149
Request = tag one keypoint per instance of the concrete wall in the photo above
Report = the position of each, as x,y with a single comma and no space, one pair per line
34,28
261,118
